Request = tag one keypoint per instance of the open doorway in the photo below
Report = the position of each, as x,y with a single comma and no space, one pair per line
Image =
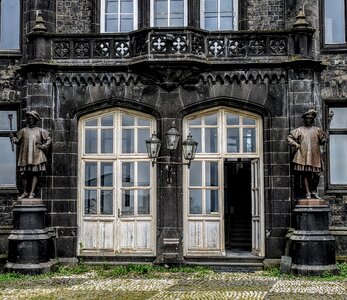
238,205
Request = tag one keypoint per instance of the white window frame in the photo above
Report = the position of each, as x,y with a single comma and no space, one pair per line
103,16
4,134
327,28
235,14
115,220
220,156
185,14
335,132
10,32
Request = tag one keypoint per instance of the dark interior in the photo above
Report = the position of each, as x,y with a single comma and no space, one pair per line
238,205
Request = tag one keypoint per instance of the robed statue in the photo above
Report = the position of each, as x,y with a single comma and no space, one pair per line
307,140
32,142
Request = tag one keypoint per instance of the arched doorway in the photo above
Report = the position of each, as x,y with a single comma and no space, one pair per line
117,186
223,189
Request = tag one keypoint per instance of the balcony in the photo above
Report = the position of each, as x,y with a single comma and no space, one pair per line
172,44
157,45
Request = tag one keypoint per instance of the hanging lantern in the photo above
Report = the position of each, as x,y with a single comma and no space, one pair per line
189,147
172,138
153,146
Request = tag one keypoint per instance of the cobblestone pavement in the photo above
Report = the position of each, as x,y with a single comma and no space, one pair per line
174,286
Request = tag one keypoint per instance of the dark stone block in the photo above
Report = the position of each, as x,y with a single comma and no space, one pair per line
67,232
64,181
301,86
302,98
29,217
63,193
277,108
280,193
63,219
258,93
284,207
169,104
240,90
275,247
66,246
169,200
281,220
63,206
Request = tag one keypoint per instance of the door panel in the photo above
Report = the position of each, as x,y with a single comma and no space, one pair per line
256,224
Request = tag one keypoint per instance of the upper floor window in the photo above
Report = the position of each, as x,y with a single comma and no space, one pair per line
118,15
219,14
8,153
338,146
334,12
169,13
9,24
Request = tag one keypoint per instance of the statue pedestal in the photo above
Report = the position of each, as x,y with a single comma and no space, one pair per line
312,245
30,242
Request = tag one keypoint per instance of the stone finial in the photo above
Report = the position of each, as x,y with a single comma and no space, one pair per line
301,19
39,23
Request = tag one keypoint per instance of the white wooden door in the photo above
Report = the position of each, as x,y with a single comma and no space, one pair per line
257,238
117,185
204,209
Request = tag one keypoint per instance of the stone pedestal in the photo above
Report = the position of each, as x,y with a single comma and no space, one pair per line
30,242
312,245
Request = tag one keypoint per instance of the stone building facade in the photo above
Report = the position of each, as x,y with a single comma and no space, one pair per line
239,92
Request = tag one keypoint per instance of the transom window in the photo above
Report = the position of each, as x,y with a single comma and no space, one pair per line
8,153
168,13
219,14
9,24
238,131
334,18
338,146
118,15
116,165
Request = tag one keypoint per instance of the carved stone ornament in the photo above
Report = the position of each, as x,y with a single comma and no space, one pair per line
278,47
82,50
236,47
179,43
61,49
158,43
121,48
101,49
216,47
198,44
257,47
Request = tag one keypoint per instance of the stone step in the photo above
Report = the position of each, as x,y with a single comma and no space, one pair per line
230,266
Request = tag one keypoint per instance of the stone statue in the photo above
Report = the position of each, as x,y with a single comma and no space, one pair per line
32,141
307,161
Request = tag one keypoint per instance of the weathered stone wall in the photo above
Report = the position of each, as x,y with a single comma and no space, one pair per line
334,77
265,14
9,81
74,16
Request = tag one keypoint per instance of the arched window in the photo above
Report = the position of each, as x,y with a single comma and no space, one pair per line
9,24
117,183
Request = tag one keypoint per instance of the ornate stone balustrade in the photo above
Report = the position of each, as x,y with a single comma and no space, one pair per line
173,44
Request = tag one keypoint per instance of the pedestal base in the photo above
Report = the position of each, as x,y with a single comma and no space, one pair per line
312,245
30,242
32,269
